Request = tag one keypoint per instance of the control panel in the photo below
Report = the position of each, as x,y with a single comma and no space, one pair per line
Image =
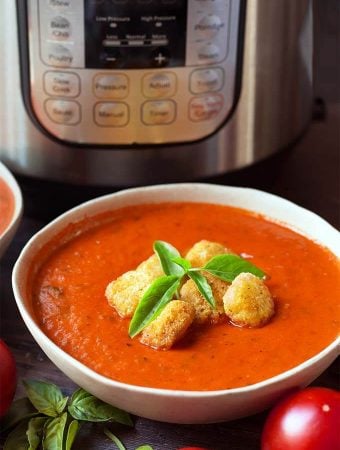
125,72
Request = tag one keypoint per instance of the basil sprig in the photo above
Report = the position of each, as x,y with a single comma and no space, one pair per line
165,288
49,420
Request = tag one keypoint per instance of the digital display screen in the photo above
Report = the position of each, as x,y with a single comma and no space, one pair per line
134,34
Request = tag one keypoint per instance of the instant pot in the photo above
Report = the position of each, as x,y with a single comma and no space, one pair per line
121,92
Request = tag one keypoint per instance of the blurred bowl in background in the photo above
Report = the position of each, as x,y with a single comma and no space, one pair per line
11,207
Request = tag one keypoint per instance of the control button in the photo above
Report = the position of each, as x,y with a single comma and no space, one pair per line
160,57
63,84
60,28
205,108
111,86
159,85
60,5
209,54
65,112
111,57
59,56
161,112
111,114
206,80
209,26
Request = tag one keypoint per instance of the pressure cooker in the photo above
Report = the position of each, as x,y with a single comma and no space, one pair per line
121,92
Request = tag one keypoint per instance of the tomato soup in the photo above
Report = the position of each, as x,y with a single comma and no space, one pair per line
6,206
68,281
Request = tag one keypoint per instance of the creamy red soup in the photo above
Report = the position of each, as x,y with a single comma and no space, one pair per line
68,281
6,205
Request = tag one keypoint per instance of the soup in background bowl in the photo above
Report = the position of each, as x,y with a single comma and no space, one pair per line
60,278
10,207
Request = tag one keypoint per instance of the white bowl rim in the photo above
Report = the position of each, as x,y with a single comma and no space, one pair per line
162,391
13,186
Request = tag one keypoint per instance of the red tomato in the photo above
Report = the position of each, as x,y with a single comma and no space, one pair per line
305,420
8,378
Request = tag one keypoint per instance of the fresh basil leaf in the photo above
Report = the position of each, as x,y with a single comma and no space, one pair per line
166,252
203,286
35,431
156,297
144,447
78,395
71,434
54,433
19,410
184,263
46,397
227,267
92,409
114,439
17,438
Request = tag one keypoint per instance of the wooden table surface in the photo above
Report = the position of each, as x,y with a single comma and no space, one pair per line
307,174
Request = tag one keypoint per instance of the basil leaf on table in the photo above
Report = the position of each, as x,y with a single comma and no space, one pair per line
166,252
78,395
156,297
227,267
144,447
19,410
46,397
92,409
114,439
35,431
203,286
71,434
17,438
54,433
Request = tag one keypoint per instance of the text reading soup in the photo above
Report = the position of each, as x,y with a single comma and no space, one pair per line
69,287
6,205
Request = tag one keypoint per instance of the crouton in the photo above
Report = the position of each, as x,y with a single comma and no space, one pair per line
203,311
125,292
198,256
248,301
203,251
169,326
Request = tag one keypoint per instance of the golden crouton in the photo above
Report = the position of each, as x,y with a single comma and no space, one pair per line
248,301
203,251
125,292
198,256
203,311
169,326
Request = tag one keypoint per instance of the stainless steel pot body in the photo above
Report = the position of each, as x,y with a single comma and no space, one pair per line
271,105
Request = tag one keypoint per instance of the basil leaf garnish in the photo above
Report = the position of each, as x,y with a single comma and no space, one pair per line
46,397
19,410
156,297
166,252
184,263
71,434
227,267
91,409
203,286
35,431
144,447
17,438
114,439
54,433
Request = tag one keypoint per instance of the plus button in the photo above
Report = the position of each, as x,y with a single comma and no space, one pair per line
160,59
